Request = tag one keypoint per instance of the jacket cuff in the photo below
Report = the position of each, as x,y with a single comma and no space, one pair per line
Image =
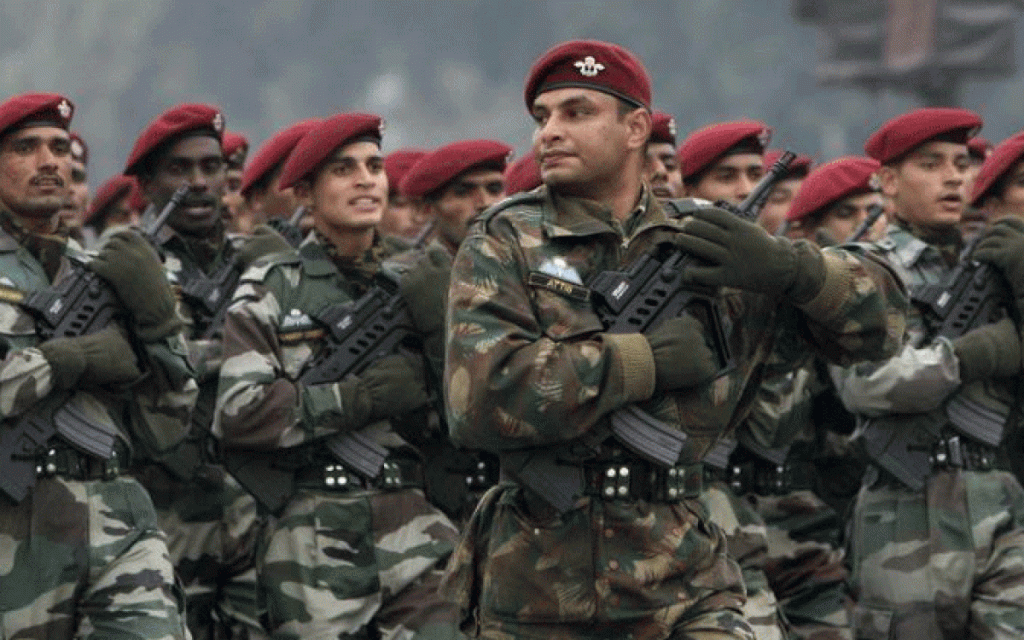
637,362
827,303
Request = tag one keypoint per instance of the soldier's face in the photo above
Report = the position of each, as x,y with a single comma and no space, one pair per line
731,178
845,216
463,198
929,187
662,171
350,191
582,142
1011,201
774,211
35,170
404,217
78,195
196,161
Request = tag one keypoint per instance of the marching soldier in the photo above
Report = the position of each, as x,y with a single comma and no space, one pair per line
110,208
405,216
236,148
532,375
82,555
522,175
662,168
357,551
834,201
265,200
212,524
937,535
773,213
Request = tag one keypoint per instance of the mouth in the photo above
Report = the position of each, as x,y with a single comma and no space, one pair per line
553,157
951,200
366,202
661,191
47,182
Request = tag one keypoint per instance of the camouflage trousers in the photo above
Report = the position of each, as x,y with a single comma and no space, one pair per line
213,529
612,569
86,560
945,562
804,567
358,565
747,541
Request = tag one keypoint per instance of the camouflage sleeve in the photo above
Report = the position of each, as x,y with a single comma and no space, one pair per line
25,378
512,384
781,408
860,313
917,380
164,399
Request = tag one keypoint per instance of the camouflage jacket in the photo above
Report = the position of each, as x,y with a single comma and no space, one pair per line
270,335
529,365
152,415
920,386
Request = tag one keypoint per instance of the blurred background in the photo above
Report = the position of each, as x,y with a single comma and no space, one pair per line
823,73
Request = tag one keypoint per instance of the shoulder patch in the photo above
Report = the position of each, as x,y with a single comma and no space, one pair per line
534,197
260,269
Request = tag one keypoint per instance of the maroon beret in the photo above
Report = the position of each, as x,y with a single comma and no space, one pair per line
590,64
79,150
110,192
800,166
663,128
1002,159
274,152
832,182
902,134
398,162
138,200
523,175
705,145
323,139
233,143
31,108
979,147
437,168
171,124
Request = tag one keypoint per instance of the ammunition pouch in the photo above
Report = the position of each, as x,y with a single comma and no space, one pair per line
396,474
64,461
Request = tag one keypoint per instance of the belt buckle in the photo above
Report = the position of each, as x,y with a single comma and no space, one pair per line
390,475
615,480
336,477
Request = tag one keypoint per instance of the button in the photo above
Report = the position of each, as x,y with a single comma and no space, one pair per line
613,565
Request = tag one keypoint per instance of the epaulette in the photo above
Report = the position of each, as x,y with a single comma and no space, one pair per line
534,197
679,208
885,244
257,271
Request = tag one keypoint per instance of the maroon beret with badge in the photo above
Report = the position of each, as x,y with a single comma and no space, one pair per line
437,168
30,109
1002,159
323,139
397,164
182,119
79,150
799,168
904,133
833,181
523,175
274,152
663,128
590,64
110,192
233,143
706,145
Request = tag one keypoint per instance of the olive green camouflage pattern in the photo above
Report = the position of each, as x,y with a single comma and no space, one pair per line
336,564
946,561
85,558
528,365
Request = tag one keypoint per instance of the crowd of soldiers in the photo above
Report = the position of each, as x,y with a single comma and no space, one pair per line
325,391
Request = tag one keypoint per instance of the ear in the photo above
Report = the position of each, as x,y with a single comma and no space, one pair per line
889,179
639,124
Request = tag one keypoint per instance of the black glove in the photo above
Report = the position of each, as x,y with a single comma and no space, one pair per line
389,387
991,351
104,357
130,264
682,358
425,291
741,254
263,242
1003,247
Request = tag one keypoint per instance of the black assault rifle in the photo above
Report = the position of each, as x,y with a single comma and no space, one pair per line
638,300
289,229
81,304
875,212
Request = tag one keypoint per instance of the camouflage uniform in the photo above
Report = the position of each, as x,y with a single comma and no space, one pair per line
354,561
82,556
944,558
455,479
212,524
529,372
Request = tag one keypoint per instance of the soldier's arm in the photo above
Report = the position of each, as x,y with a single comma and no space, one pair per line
510,385
164,399
25,378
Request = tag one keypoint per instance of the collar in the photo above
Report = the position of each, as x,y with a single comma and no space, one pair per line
568,216
908,248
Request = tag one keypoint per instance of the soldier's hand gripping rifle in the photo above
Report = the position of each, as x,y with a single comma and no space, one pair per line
80,304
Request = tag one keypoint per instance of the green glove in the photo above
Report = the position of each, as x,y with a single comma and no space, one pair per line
991,351
104,357
392,386
741,254
1003,247
263,242
682,358
130,264
425,290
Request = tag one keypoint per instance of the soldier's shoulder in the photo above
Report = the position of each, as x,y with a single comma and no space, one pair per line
262,269
526,207
680,208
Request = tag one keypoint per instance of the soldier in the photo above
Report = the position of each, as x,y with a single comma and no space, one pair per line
522,175
405,216
662,168
937,542
236,148
835,199
211,522
261,184
531,374
998,185
723,161
974,220
773,213
81,555
455,183
110,208
352,555
78,189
